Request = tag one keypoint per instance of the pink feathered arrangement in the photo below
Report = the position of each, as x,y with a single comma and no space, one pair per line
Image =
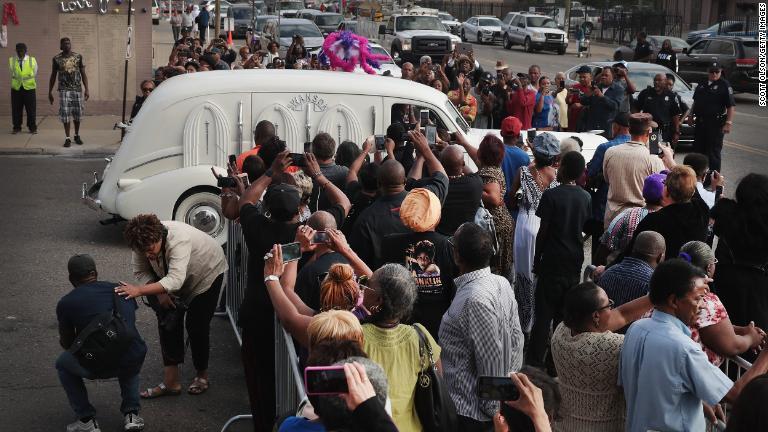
345,50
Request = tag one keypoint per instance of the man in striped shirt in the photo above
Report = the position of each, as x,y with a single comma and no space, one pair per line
631,278
480,333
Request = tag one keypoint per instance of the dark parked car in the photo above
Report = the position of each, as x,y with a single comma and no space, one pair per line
726,28
641,74
627,52
737,56
243,15
327,22
349,25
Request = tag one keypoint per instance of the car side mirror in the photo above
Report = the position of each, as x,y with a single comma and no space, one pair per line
521,25
685,50
382,29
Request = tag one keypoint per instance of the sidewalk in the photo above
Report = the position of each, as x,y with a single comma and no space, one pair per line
96,131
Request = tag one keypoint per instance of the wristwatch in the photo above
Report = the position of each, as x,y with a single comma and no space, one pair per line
271,278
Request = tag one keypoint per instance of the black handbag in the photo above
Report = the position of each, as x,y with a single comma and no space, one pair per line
434,406
104,341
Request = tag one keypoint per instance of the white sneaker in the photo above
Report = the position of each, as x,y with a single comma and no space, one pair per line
133,422
89,426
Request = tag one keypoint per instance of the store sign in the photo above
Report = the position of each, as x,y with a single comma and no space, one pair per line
79,5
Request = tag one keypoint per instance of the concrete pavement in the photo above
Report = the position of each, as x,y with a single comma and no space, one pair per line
96,131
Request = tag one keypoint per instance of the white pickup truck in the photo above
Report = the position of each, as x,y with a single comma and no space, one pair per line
409,36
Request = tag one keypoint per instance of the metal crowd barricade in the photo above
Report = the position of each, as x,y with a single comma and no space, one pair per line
289,387
733,367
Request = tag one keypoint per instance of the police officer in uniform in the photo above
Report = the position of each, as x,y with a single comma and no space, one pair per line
713,106
23,69
662,104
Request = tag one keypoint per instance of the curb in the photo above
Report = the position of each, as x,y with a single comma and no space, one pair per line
38,151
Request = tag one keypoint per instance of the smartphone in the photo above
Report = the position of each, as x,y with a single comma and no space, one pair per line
297,159
463,48
325,380
320,237
653,142
431,133
226,182
380,140
232,159
531,134
423,117
497,388
244,179
562,84
308,147
291,251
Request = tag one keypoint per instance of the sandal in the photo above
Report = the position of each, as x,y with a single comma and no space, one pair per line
159,391
198,386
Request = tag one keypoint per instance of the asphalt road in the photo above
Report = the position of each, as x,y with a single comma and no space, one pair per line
44,224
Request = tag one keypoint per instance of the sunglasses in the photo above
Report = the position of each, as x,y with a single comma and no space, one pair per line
608,306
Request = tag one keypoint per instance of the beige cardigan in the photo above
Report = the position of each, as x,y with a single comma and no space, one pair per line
195,259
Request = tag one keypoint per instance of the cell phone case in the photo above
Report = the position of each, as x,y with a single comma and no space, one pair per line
318,368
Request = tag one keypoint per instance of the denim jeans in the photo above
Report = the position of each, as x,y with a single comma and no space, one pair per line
71,375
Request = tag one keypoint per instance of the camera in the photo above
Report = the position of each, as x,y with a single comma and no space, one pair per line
226,182
379,140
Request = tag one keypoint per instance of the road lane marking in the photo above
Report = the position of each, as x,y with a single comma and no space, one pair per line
746,148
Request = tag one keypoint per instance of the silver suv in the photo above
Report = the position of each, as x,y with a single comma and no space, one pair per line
533,32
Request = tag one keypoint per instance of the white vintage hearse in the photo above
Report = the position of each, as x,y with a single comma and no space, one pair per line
192,122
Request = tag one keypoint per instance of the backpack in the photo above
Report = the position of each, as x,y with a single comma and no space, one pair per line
103,342
484,218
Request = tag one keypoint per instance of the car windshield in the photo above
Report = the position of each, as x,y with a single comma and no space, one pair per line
541,21
240,13
328,20
490,22
260,21
291,5
644,78
457,116
419,23
303,30
382,51
750,49
446,17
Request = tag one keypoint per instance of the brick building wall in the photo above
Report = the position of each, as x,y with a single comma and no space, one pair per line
42,23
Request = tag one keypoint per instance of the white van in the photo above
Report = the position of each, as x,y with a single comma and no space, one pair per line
194,121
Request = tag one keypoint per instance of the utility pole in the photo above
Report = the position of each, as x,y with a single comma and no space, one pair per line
217,24
128,55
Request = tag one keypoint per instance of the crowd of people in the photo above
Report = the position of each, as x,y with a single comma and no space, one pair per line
412,262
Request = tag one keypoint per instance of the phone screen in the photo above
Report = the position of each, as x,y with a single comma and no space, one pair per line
531,134
497,388
562,84
424,117
653,142
463,48
308,147
291,251
326,380
320,237
298,160
380,140
232,159
431,133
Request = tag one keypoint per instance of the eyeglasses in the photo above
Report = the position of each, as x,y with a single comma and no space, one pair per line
608,306
147,89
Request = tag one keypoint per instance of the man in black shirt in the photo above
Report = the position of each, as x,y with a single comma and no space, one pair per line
261,232
314,270
559,255
464,191
324,148
642,49
662,104
383,216
426,254
362,185
403,149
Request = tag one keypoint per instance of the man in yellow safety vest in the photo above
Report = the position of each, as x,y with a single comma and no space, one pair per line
23,71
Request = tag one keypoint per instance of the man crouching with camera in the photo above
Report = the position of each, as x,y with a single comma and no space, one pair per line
98,331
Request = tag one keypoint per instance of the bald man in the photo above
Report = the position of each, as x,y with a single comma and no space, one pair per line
313,272
464,191
631,278
662,104
407,71
383,216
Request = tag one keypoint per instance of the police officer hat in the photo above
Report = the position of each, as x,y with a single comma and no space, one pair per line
715,67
